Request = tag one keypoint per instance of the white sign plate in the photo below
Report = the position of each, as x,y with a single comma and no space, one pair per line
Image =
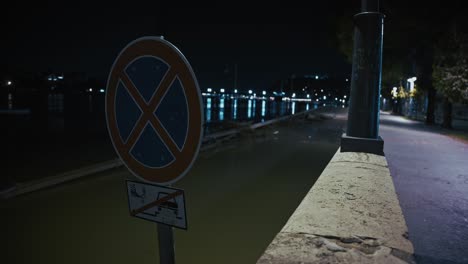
156,203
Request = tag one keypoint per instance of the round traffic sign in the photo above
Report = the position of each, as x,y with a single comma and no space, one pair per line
154,110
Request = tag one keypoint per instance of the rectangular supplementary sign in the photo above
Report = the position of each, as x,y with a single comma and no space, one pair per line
156,203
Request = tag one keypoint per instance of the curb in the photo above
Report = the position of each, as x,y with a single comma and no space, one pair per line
27,187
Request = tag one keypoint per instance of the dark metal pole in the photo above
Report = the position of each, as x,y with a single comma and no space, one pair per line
362,133
369,6
166,244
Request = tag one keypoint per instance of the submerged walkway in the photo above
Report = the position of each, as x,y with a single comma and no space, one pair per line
430,173
238,194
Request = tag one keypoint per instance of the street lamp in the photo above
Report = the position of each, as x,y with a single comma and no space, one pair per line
411,82
9,83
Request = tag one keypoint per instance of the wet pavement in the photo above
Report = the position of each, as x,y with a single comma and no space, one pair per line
238,194
430,173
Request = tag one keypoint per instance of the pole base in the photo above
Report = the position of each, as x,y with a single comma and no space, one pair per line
367,145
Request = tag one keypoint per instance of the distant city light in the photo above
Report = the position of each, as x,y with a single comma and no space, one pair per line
321,90
347,80
9,82
336,99
235,90
221,90
264,92
344,96
315,94
316,100
49,78
101,91
90,89
250,91
293,95
308,95
209,90
60,77
316,77
324,97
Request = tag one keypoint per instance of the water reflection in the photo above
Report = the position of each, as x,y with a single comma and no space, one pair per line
234,112
208,109
10,101
254,104
283,108
273,108
221,109
263,108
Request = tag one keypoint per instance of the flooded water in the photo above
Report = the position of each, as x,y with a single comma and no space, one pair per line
220,109
238,195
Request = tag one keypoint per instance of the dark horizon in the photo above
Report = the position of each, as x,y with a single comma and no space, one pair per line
268,44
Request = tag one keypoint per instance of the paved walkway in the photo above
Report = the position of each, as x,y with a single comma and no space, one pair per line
430,173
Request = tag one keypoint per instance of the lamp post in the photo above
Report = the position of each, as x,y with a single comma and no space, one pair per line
362,134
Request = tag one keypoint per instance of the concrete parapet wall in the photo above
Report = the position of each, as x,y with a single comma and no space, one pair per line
350,215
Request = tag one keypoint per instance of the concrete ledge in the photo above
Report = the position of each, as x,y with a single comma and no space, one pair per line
350,215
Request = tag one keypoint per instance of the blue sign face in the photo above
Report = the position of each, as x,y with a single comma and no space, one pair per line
154,110
146,74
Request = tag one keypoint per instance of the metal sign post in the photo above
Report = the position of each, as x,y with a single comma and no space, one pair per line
154,115
166,244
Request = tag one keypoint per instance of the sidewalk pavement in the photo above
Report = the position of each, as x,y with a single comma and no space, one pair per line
430,173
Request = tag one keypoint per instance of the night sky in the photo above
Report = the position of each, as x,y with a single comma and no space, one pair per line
268,42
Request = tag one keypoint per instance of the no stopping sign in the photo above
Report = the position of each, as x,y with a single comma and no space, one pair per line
154,110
